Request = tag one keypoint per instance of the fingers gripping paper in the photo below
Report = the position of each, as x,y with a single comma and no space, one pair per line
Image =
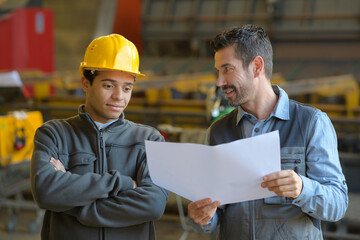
229,173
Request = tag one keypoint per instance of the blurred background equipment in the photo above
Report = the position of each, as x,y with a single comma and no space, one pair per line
16,136
11,87
27,40
16,145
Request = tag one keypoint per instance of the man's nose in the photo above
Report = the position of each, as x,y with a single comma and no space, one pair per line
118,93
220,81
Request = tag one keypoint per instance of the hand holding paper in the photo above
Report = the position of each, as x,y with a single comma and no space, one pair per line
285,183
229,173
202,211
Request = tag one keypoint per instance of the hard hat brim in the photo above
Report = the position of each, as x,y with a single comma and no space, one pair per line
81,69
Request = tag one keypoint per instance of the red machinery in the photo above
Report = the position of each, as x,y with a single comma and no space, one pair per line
27,40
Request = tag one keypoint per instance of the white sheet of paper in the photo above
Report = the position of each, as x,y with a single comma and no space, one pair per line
230,172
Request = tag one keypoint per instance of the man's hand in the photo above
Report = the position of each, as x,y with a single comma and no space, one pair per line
203,210
57,165
285,183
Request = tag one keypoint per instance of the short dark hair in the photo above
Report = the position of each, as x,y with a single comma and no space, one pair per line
90,75
249,41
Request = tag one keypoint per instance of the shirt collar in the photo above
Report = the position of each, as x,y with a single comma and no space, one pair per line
281,109
104,125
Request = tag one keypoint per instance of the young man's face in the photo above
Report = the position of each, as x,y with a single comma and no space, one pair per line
235,80
108,96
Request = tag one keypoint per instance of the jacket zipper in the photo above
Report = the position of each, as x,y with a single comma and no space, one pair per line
252,220
101,170
297,161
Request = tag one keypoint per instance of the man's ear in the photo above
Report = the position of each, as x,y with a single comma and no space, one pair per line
258,65
85,84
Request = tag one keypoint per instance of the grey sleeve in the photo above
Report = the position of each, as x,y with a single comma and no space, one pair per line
145,203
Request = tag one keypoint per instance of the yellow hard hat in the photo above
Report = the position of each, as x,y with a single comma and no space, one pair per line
113,52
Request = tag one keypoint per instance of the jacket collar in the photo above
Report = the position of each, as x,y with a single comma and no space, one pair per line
86,116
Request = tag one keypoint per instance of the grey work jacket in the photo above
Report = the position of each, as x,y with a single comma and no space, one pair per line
95,198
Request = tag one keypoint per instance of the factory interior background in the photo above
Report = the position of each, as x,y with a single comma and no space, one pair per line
316,60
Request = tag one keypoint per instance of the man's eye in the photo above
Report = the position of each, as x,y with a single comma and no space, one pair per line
127,89
108,86
227,69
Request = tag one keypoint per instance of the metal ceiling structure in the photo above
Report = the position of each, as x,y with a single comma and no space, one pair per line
193,21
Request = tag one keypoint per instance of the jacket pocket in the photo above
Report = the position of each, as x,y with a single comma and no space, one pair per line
291,158
79,163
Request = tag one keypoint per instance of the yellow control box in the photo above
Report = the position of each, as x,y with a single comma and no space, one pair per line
17,130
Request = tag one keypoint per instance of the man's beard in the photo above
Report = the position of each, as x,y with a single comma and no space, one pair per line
237,101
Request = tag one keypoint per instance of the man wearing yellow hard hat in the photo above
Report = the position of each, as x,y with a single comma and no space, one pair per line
89,171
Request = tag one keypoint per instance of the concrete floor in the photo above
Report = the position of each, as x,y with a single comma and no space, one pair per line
167,228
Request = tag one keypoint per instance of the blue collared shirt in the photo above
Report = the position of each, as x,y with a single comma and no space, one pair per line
322,160
321,151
